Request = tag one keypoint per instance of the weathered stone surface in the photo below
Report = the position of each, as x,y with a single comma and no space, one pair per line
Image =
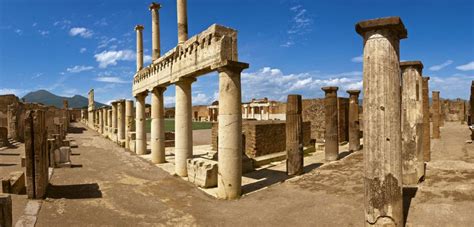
140,134
412,122
382,121
294,136
6,218
332,130
354,126
157,125
91,108
436,114
183,125
62,157
471,105
202,172
426,121
3,137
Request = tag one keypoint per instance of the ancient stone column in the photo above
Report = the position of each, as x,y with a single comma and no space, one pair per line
101,122
157,125
413,166
140,124
436,112
182,21
109,120
129,121
331,136
471,105
104,120
354,126
114,118
6,210
139,29
426,121
121,120
155,30
382,120
294,136
229,178
183,125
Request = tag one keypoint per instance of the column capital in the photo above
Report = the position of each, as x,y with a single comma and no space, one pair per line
436,92
139,27
411,64
353,92
141,95
230,65
329,89
386,23
184,80
159,89
426,78
154,6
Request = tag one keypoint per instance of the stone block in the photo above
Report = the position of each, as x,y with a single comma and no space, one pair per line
62,157
17,182
202,172
3,137
6,185
6,217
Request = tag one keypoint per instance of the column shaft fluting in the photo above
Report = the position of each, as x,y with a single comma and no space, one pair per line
157,125
354,126
139,29
140,124
382,121
182,21
183,126
426,121
294,136
331,135
436,114
229,176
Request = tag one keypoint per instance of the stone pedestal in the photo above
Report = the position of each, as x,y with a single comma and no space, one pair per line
382,121
413,167
202,172
183,125
157,125
436,114
294,136
354,126
331,135
140,143
426,120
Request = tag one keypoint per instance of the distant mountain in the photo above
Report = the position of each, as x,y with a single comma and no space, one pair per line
48,98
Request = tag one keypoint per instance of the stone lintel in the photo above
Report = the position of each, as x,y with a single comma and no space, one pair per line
154,5
414,64
330,89
389,23
353,92
139,27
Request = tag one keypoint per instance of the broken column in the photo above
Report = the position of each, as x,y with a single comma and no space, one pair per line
140,140
436,112
129,122
183,125
182,21
230,131
120,120
382,125
155,30
331,136
413,166
139,30
354,126
426,120
157,125
294,136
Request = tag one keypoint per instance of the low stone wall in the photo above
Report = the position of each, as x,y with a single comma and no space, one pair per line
263,137
453,110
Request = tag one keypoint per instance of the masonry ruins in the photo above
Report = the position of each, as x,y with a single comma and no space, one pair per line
393,131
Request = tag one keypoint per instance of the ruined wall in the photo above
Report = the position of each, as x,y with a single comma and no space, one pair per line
5,101
314,112
200,113
74,115
263,137
453,110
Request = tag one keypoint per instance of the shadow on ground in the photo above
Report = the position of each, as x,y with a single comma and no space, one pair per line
76,130
408,194
75,191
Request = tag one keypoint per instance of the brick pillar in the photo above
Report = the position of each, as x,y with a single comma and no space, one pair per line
294,136
426,121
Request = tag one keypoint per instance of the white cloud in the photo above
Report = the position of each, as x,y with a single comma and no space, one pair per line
454,86
79,68
104,42
82,50
276,85
107,58
288,44
441,66
467,67
358,59
19,31
146,59
14,91
43,32
300,24
112,79
34,24
37,75
101,22
63,24
80,31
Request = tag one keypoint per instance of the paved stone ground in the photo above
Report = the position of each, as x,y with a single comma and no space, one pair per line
109,186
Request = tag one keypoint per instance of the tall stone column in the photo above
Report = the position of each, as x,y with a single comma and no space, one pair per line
121,120
139,29
109,121
331,136
182,21
140,124
229,177
104,120
382,120
294,136
114,118
101,122
129,122
252,110
246,112
183,125
155,30
426,120
471,106
354,126
436,112
157,125
413,166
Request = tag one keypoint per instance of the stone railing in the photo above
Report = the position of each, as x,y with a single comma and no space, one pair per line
197,56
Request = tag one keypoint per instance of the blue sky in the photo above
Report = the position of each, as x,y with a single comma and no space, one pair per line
292,46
